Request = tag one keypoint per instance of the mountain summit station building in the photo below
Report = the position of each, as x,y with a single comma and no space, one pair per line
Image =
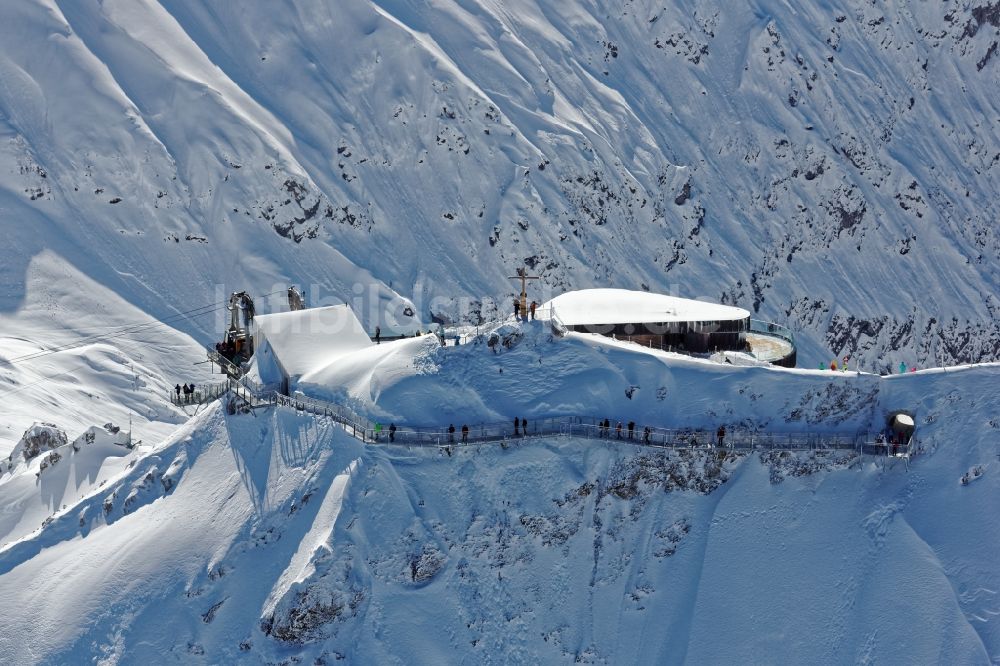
672,323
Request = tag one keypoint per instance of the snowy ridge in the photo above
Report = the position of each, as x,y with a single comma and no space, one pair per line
275,536
536,375
45,473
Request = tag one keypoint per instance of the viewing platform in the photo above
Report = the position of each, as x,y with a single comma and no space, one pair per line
772,343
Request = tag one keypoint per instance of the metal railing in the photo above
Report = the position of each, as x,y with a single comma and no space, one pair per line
344,416
202,394
256,395
773,353
227,366
732,439
887,449
590,428
577,427
341,413
770,328
479,432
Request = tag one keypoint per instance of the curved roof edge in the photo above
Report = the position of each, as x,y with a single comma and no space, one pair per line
624,306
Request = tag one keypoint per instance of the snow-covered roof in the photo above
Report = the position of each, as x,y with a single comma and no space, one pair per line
307,339
622,306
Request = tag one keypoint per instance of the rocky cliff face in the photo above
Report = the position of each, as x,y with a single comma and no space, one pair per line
831,168
38,439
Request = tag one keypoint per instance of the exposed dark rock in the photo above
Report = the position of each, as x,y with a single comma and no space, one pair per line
983,15
684,195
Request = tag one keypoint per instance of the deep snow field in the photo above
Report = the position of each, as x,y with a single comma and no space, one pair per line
79,354
274,537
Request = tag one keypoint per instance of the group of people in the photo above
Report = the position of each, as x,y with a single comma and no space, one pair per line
628,431
903,368
531,308
604,430
465,433
230,349
833,364
623,431
520,429
188,390
392,431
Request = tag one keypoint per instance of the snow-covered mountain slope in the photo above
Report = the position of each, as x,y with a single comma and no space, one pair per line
47,473
830,165
537,375
277,537
80,355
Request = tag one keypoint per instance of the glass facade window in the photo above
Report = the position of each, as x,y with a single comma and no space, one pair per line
693,336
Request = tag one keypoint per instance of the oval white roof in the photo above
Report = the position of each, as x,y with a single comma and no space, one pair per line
623,306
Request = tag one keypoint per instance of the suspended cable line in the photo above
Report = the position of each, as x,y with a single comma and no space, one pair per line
128,329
